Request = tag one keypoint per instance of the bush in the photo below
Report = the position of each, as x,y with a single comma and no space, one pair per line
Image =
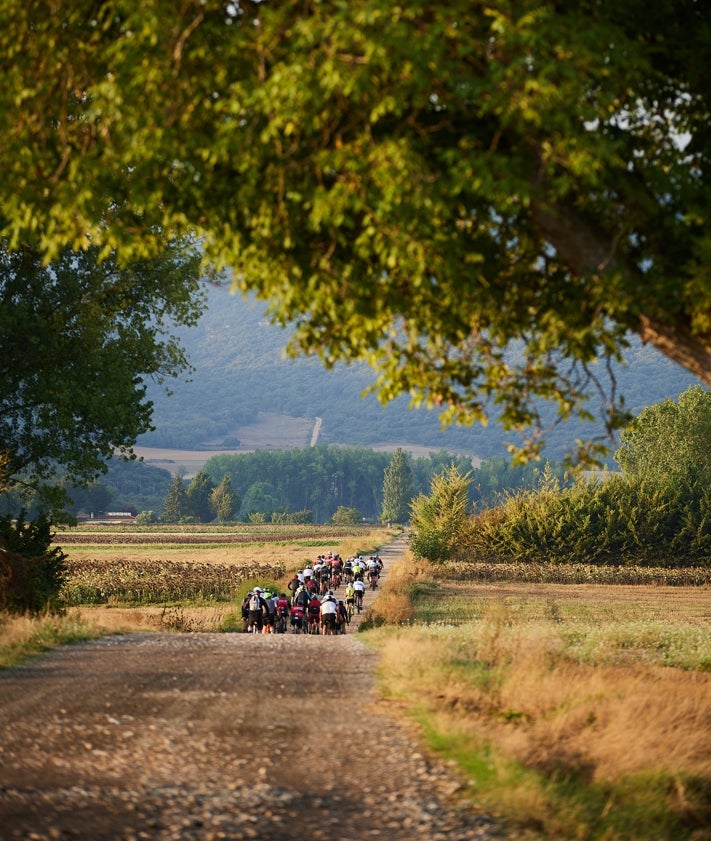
439,520
31,573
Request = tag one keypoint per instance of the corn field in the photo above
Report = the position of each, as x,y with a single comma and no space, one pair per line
157,582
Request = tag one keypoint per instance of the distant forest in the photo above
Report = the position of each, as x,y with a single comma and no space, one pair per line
319,479
240,371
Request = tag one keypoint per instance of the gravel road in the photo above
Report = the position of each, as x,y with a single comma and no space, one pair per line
217,736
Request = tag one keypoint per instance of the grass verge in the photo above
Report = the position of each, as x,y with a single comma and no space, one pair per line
574,714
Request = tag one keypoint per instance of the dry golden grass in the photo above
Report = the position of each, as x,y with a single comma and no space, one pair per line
129,619
515,689
23,636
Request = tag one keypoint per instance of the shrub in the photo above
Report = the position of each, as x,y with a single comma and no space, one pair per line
31,573
619,521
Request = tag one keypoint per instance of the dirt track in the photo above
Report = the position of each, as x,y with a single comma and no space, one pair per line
207,736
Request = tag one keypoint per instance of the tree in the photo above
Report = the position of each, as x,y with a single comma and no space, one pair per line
397,489
176,501
670,440
344,516
77,338
438,520
223,500
199,497
480,199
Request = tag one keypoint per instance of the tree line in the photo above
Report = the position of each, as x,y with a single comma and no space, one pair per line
318,484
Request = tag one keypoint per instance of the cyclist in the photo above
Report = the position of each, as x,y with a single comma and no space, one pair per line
245,611
348,571
313,611
350,600
282,611
341,617
359,587
329,611
257,611
270,620
373,576
297,618
301,598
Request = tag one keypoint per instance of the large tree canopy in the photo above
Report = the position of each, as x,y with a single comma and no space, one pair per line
480,198
77,338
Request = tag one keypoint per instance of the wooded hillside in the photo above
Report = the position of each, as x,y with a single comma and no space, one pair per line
242,383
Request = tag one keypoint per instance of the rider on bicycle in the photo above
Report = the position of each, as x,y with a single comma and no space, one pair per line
350,595
329,611
359,587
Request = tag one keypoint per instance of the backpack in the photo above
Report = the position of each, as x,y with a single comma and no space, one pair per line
255,603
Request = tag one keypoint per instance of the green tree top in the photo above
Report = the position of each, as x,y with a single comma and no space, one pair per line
199,497
438,520
176,501
417,185
223,500
670,439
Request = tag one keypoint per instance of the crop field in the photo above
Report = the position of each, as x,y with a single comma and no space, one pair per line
151,565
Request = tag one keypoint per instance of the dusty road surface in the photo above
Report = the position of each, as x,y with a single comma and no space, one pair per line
216,736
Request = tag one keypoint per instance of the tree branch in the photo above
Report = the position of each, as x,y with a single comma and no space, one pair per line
587,250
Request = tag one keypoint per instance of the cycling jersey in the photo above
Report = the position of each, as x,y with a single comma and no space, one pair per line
329,607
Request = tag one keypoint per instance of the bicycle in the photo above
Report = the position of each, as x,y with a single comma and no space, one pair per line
350,610
359,600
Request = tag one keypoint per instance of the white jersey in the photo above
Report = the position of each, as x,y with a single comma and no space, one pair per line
329,606
359,586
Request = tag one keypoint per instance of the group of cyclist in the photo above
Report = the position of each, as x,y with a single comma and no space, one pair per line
311,606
